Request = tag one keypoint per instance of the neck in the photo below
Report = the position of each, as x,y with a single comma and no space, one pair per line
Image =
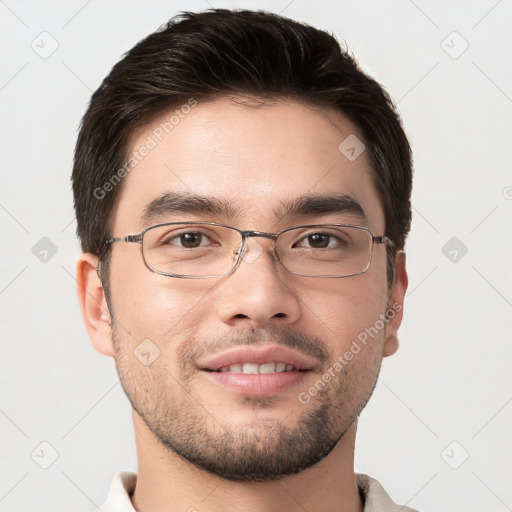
167,482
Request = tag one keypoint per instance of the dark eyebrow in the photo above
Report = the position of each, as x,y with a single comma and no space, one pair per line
177,202
302,206
314,205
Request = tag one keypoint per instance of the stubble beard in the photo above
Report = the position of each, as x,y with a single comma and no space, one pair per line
261,451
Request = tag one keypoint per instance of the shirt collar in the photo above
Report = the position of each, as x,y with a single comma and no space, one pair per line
376,499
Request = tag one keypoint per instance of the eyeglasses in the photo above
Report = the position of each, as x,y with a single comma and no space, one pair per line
198,250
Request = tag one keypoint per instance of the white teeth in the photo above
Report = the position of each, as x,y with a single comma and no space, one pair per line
250,368
253,368
267,368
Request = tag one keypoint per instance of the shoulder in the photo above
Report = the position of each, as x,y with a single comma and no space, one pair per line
121,488
376,498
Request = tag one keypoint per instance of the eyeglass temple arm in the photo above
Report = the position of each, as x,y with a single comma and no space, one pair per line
128,238
383,240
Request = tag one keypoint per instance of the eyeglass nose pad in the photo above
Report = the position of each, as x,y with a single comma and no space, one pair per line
252,254
249,255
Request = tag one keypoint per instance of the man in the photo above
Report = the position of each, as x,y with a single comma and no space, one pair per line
242,193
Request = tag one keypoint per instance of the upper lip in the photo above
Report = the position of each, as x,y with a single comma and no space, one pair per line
256,355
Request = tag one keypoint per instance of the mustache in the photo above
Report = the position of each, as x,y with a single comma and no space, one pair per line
191,350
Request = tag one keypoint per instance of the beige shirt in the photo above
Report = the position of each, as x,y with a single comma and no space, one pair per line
376,498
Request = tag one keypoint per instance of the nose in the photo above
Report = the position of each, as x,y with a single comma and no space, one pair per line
259,293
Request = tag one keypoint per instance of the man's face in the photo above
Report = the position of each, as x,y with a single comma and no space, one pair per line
247,427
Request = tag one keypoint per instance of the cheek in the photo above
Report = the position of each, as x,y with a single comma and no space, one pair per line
163,309
344,310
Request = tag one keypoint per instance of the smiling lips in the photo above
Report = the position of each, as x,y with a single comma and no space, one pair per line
257,371
253,368
253,360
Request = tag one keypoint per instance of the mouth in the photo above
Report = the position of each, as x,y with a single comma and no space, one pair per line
254,368
257,371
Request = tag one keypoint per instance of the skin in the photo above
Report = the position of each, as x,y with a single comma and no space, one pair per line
254,157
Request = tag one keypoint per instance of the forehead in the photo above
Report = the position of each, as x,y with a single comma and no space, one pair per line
259,163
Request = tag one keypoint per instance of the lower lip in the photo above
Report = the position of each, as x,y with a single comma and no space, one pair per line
256,384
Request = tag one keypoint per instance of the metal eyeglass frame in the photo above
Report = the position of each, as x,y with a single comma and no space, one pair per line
245,234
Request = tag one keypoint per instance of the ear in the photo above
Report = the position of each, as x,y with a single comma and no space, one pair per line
396,305
93,304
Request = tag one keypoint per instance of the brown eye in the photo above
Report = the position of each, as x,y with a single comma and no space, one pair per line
318,241
321,241
189,240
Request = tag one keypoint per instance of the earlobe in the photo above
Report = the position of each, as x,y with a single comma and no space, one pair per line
390,346
395,305
93,304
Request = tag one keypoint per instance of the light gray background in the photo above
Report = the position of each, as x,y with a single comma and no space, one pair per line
451,379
